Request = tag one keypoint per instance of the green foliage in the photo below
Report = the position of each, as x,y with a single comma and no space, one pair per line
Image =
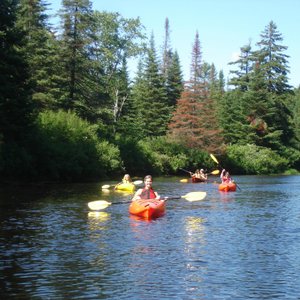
40,51
16,162
158,155
295,108
165,157
83,67
134,159
273,61
71,150
16,106
152,155
232,119
150,97
116,40
292,155
199,159
291,172
252,159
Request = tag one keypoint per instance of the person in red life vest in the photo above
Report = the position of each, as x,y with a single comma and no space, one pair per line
147,192
225,176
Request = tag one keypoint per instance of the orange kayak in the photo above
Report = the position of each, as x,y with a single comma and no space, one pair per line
227,187
148,209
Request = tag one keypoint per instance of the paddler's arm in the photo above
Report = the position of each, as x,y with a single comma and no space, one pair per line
117,185
137,195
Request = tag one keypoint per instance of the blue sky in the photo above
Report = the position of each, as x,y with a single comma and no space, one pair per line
224,26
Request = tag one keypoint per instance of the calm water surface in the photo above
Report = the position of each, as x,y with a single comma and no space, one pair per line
242,245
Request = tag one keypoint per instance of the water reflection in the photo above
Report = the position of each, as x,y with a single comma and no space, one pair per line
96,219
228,246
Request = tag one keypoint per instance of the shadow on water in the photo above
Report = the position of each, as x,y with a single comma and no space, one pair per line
238,245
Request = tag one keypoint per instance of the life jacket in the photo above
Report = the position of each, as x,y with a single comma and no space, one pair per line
226,180
148,194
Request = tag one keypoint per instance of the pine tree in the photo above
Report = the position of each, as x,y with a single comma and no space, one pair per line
272,59
296,117
171,70
150,97
185,127
194,122
76,18
216,83
232,119
167,51
17,112
259,111
196,64
273,69
244,64
41,52
135,124
174,81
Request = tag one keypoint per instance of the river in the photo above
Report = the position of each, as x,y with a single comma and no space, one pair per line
237,245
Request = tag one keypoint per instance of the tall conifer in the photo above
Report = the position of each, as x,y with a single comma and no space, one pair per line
171,70
273,61
194,122
244,64
151,102
76,19
41,52
16,106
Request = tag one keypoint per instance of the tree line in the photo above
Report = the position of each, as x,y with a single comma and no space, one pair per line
70,111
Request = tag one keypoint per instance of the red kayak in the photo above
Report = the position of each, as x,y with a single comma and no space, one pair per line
227,187
148,209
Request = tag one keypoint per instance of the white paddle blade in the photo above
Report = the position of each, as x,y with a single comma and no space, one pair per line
98,205
106,186
194,196
137,182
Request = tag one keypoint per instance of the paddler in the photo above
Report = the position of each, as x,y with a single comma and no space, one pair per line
225,177
147,192
125,179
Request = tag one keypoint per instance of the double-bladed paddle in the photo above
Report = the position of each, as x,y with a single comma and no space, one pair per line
191,197
215,172
107,186
186,171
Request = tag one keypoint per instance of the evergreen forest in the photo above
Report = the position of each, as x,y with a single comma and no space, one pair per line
70,111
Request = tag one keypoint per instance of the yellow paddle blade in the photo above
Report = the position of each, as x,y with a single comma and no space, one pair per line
98,205
184,180
214,158
215,172
194,196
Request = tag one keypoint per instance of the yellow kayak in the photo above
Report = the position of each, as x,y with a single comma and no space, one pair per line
129,187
